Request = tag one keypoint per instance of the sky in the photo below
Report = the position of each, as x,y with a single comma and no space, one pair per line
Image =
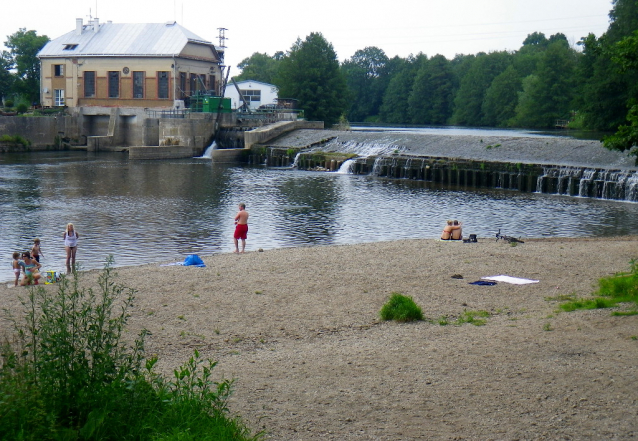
398,27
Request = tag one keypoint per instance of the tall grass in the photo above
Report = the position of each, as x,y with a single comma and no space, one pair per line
67,374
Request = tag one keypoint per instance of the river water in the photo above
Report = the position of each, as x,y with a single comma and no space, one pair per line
160,211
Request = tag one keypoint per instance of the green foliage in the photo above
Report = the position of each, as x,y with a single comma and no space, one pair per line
67,374
260,67
432,97
401,308
22,108
24,46
365,73
310,73
8,103
393,108
15,139
619,288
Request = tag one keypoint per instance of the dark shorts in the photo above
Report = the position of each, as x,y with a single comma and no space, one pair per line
241,231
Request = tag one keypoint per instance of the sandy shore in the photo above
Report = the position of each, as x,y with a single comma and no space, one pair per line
299,330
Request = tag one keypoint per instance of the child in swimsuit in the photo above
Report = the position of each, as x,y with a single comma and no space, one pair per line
36,252
17,267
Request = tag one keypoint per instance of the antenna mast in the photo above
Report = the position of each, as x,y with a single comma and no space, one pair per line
222,37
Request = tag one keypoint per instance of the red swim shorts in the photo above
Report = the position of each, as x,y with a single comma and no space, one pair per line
241,230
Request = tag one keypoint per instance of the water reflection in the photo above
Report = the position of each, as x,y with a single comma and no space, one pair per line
159,211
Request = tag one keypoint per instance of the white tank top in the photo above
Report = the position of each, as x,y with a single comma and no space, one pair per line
71,240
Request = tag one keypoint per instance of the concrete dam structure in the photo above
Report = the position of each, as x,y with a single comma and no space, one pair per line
543,164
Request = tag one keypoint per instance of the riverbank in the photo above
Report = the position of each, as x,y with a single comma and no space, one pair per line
299,330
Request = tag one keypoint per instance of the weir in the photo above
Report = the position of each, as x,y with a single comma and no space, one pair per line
621,185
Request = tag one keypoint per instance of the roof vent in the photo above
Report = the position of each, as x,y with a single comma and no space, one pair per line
171,23
78,26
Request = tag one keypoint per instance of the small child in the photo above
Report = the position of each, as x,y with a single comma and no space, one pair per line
36,251
17,267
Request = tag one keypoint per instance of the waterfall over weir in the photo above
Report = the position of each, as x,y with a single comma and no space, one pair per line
588,182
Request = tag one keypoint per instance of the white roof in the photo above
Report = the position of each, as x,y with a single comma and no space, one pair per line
123,39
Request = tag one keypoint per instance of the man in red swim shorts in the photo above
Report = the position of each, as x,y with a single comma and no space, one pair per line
241,228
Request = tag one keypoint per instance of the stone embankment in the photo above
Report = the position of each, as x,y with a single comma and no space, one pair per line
548,164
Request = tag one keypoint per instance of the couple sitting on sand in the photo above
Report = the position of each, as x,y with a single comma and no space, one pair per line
452,231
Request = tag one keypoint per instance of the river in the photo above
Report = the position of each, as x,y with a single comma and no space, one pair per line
160,211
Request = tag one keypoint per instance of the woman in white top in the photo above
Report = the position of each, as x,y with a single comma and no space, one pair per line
71,245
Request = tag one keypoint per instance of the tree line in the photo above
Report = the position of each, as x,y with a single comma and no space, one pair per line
594,85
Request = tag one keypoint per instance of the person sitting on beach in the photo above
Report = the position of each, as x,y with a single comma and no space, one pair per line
457,230
31,270
452,231
17,266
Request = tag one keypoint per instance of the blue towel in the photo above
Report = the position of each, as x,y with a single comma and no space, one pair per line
483,282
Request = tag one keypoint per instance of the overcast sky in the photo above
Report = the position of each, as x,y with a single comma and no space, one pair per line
398,27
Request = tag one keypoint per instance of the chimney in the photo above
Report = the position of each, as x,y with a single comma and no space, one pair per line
96,25
78,26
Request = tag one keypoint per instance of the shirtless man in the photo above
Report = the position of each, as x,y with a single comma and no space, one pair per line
452,231
241,228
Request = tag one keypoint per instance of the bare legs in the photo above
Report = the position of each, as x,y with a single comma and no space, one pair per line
70,258
243,245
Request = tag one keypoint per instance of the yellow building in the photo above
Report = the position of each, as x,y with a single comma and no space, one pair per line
149,65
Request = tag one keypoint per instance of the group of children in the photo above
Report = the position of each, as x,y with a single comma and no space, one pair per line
29,265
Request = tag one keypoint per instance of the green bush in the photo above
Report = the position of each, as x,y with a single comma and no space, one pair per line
22,108
401,308
8,103
67,374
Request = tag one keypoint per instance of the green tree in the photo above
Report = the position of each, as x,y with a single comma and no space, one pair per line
310,73
547,94
605,92
259,67
394,109
501,98
432,96
625,54
473,86
364,73
6,78
24,46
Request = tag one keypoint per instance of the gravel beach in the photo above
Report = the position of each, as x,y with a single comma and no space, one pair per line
298,329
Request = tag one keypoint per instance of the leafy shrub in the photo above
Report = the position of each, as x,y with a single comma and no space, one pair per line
22,108
401,308
67,374
8,103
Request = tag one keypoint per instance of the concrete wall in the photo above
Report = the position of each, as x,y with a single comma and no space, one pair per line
196,133
265,134
45,132
162,152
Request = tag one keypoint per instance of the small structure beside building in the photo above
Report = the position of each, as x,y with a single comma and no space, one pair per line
255,94
148,65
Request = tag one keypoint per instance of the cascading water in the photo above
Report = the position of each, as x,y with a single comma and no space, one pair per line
346,167
208,153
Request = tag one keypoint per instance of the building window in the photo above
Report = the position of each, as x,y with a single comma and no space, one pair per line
70,47
59,97
138,84
251,95
182,85
58,70
162,85
193,84
89,84
114,84
211,83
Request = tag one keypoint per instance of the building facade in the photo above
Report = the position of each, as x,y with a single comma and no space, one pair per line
255,94
152,65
